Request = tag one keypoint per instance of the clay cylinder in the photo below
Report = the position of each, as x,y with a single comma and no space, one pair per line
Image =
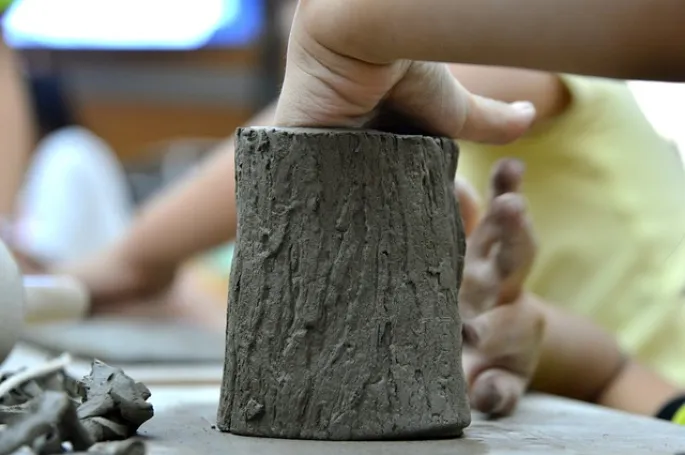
342,317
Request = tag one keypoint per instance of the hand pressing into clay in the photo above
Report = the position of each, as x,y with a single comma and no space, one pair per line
503,326
330,81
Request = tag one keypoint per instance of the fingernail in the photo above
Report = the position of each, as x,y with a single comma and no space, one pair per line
524,107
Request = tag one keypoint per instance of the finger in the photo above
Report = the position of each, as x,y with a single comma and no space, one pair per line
517,247
505,239
503,215
496,392
509,333
469,203
499,365
482,277
495,122
499,256
508,218
506,177
479,291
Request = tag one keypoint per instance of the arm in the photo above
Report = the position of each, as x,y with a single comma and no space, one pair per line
15,129
188,219
580,360
628,39
545,90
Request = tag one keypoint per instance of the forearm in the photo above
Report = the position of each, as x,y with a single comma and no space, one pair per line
192,217
580,360
653,391
16,133
196,215
577,359
630,39
188,218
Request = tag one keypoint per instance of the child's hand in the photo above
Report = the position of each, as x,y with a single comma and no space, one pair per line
503,326
327,85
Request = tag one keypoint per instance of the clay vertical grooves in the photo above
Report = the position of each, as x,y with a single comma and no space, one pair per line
342,320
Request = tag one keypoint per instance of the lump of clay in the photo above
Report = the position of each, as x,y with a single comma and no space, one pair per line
50,421
49,412
114,405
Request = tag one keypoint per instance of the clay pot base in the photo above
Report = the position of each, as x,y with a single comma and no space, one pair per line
126,341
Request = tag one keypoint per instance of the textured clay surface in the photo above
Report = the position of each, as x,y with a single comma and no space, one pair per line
343,321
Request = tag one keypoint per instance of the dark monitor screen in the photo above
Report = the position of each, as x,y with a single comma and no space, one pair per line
132,24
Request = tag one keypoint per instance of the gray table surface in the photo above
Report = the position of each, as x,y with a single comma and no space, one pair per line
542,424
185,411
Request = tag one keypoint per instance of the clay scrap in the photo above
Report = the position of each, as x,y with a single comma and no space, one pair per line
49,412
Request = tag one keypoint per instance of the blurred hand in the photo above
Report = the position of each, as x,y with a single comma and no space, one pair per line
326,88
124,290
26,262
503,326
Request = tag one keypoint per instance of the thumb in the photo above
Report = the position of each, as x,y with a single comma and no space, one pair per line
495,122
432,96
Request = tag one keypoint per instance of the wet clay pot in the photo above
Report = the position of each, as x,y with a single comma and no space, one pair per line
343,319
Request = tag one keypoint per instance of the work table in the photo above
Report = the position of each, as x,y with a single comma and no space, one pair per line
186,398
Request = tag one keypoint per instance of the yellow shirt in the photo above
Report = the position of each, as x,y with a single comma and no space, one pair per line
607,198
